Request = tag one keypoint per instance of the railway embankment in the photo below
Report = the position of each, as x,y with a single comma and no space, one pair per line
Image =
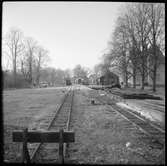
146,103
153,113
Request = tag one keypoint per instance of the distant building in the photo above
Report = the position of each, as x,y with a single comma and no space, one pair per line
80,80
92,79
108,78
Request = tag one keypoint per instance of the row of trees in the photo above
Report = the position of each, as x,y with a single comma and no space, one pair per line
24,55
25,63
57,76
54,76
80,71
138,37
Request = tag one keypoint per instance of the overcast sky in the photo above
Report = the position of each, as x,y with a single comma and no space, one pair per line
73,32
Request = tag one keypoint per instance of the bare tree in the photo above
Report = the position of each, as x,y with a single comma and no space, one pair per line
137,30
133,43
28,59
40,58
97,69
79,71
53,76
157,19
15,47
119,57
140,13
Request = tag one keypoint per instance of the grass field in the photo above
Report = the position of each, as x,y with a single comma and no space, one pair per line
101,135
26,108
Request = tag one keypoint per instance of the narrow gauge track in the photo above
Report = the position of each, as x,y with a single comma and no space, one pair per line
154,132
157,103
159,108
47,152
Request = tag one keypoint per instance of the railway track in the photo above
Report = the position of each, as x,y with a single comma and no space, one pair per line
159,108
44,152
152,131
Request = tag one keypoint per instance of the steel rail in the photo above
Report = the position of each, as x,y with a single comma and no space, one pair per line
68,123
137,121
144,126
158,128
139,117
33,155
160,108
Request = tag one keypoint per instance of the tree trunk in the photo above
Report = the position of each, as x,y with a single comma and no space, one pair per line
155,58
142,79
30,71
143,66
134,77
14,72
126,79
134,64
38,77
154,79
125,70
155,67
38,70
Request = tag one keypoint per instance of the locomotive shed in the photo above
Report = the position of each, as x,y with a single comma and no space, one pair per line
102,134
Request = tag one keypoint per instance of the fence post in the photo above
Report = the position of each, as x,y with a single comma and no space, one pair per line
25,154
61,156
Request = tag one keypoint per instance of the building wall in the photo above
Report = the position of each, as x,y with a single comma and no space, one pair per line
161,75
160,80
109,79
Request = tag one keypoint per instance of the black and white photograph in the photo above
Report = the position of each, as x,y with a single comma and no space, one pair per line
83,82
